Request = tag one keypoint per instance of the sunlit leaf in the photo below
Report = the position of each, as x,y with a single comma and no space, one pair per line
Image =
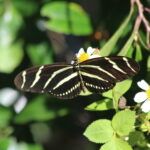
104,104
148,64
5,116
10,57
130,52
11,52
4,143
128,46
120,89
116,144
100,131
68,18
123,122
138,54
10,23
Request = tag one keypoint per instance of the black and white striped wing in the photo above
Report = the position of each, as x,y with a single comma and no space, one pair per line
101,74
58,79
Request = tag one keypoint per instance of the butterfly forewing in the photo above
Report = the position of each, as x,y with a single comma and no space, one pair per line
56,79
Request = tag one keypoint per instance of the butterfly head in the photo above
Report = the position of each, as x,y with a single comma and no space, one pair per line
75,60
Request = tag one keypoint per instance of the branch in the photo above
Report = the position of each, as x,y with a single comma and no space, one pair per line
141,19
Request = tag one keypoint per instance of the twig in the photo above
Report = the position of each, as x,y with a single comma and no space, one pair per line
141,19
147,9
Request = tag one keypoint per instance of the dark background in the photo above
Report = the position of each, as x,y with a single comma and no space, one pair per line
64,130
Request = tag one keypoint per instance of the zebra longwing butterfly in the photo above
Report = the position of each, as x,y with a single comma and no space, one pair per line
66,81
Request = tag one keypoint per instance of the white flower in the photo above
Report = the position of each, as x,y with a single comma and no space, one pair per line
91,53
144,96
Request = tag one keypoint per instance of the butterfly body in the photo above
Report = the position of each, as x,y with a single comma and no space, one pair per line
66,81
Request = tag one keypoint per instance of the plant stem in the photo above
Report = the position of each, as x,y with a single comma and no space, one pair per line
141,19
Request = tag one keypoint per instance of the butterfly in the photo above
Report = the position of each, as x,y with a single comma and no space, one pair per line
67,81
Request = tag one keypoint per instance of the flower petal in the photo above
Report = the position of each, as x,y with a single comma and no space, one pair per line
90,50
146,106
81,51
143,85
140,97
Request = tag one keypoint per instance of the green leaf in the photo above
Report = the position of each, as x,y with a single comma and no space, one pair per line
10,57
5,116
138,54
110,45
9,143
108,94
26,8
30,146
68,18
127,48
120,89
123,122
11,52
35,111
137,138
99,131
116,144
10,22
148,63
130,52
4,143
101,105
115,93
40,54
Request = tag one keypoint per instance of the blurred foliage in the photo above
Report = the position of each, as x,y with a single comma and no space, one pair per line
68,18
11,143
36,32
42,56
10,22
36,111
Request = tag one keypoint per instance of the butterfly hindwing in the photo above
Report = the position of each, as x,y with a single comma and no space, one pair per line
94,82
